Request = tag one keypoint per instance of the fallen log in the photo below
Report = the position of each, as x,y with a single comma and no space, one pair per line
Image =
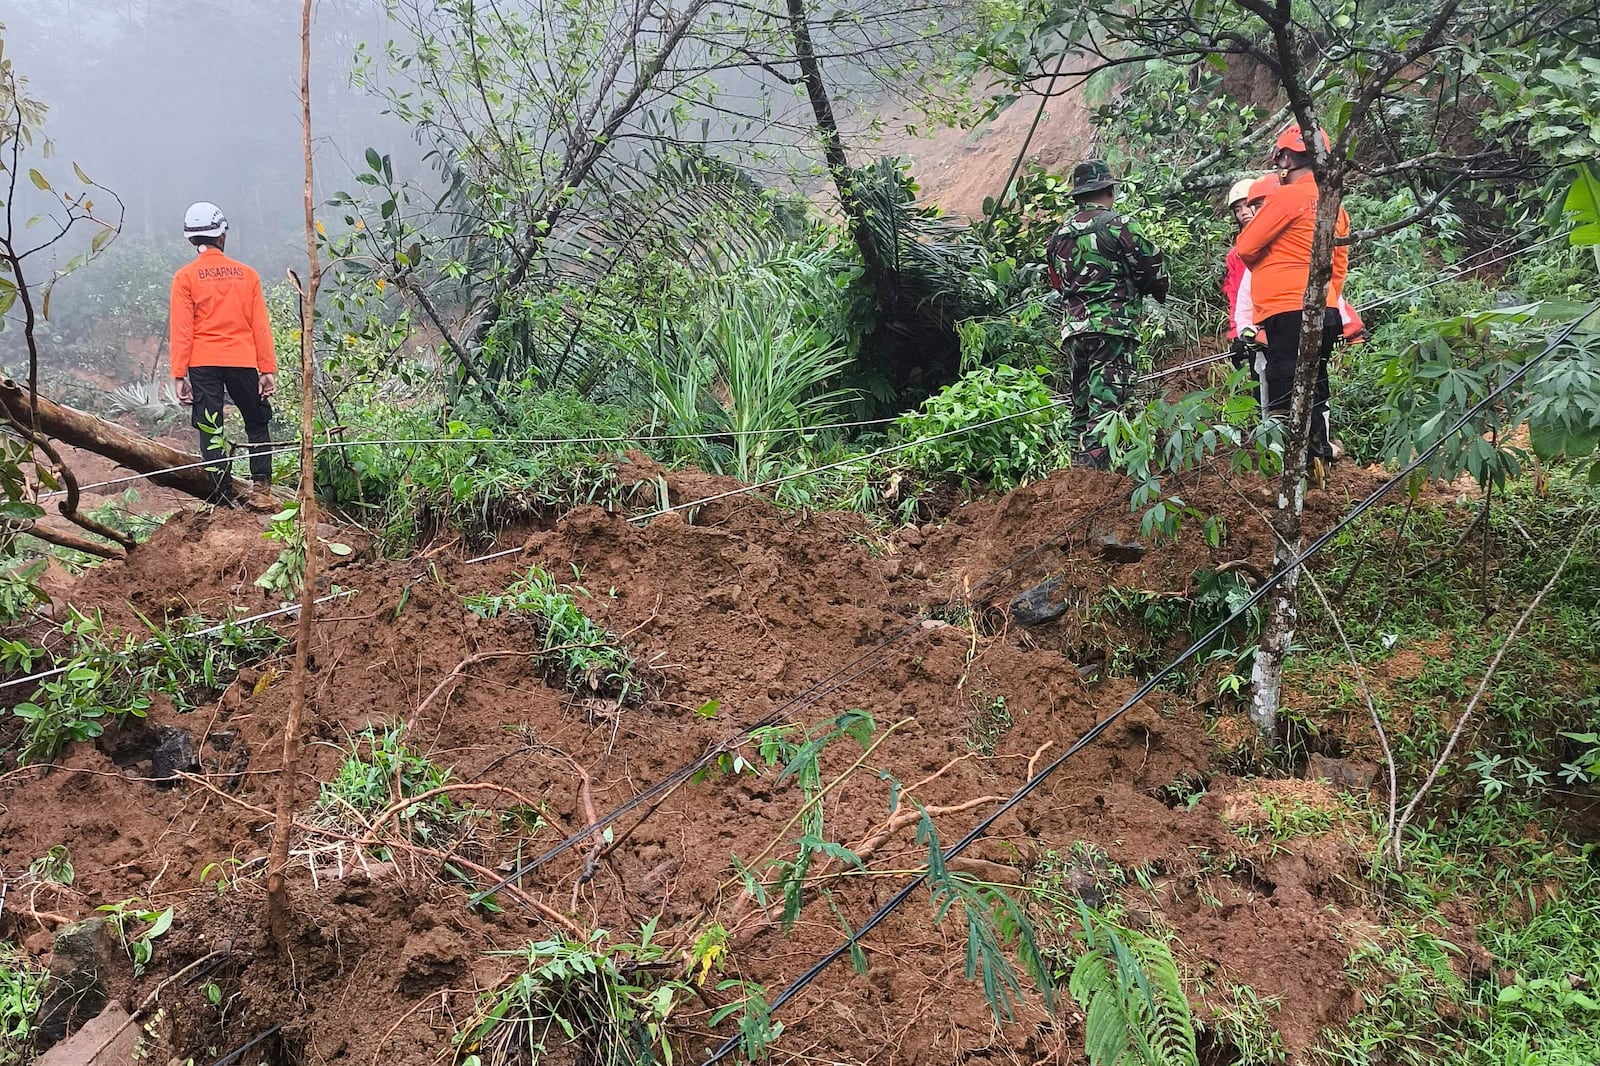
82,430
66,539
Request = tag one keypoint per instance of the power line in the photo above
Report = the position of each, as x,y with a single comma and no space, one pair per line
1099,728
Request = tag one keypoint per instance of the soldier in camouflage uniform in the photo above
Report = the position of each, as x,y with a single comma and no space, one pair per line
1103,266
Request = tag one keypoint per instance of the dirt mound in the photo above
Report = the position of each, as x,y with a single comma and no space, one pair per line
743,614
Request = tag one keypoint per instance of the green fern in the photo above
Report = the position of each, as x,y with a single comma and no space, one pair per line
1135,1011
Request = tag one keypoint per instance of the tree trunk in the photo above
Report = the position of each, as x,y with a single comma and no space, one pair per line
283,815
1277,634
82,430
833,151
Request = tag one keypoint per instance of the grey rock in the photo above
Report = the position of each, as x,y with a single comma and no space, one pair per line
82,961
109,1039
1040,604
176,752
1113,550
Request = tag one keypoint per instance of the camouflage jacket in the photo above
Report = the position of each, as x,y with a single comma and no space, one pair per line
1103,265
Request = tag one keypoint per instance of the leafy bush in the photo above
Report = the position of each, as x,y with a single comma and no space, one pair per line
1167,437
481,476
1026,441
614,1000
574,649
112,676
19,594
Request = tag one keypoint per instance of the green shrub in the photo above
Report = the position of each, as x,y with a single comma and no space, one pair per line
111,676
1027,444
616,1001
484,475
378,770
751,367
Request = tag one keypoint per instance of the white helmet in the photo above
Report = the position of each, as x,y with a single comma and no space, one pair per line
204,219
1240,190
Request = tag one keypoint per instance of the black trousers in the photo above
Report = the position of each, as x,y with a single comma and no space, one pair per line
241,384
1275,371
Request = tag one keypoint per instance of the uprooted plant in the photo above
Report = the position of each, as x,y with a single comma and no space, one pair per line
618,1000
575,651
995,920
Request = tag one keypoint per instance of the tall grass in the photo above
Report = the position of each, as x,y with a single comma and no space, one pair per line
750,364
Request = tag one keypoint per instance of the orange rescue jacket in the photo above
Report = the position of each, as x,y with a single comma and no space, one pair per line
218,316
1276,246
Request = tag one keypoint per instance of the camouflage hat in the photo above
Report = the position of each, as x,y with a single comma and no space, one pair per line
1091,176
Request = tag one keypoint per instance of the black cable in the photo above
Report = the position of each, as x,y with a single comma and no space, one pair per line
1095,731
241,1049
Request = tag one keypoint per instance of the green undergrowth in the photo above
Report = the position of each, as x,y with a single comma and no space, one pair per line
476,473
574,650
1145,628
21,994
108,676
1489,952
1527,997
1412,605
379,772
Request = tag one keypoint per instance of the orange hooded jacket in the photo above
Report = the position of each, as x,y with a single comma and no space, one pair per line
218,316
1276,246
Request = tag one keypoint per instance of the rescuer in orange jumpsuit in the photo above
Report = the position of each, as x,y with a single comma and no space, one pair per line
1276,246
221,348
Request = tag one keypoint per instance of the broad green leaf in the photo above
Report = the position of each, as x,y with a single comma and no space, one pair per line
21,511
39,180
1583,203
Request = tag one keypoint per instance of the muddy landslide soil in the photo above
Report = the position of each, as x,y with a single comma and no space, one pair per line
749,607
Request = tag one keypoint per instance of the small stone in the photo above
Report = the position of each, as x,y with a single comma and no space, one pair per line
1040,604
911,537
222,740
1113,550
176,753
1347,774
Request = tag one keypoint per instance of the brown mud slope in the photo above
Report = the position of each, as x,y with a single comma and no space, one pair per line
749,607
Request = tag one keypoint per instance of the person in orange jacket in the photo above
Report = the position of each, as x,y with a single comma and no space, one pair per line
1244,199
221,348
1276,247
